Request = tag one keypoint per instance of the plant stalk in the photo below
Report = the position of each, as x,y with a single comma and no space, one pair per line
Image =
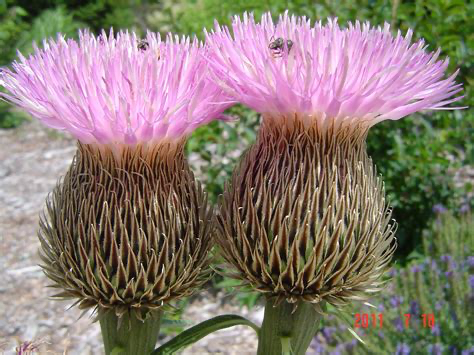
284,332
129,335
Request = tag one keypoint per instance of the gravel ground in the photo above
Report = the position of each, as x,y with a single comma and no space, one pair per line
32,158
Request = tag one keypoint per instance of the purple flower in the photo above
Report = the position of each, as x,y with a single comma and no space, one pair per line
435,349
439,208
464,208
414,308
107,89
434,266
392,272
396,301
328,332
439,305
453,264
317,346
470,261
399,324
453,350
471,281
402,349
417,268
446,258
349,346
381,307
27,347
436,331
325,72
449,274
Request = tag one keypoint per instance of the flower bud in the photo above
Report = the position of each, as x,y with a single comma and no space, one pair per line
305,217
127,229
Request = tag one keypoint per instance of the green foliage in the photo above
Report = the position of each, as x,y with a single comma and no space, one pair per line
172,320
12,25
417,160
245,296
47,25
214,150
10,118
103,14
450,235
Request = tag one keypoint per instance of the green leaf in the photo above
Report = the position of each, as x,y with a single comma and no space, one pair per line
193,334
356,335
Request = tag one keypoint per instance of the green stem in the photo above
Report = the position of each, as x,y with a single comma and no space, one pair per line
129,335
284,332
199,331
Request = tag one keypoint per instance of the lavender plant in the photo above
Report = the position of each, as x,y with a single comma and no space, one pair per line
427,307
450,236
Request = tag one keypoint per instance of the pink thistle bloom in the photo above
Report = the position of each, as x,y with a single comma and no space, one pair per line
359,73
117,89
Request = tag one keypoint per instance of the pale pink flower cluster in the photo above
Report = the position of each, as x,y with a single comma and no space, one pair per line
120,89
117,88
358,73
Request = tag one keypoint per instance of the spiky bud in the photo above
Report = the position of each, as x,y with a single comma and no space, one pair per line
127,229
305,216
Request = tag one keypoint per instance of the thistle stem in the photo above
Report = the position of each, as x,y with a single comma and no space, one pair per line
129,335
284,332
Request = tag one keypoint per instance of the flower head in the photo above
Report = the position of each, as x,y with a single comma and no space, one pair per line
359,73
116,88
402,349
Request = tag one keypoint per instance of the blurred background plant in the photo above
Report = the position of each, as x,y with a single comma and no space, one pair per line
438,283
427,160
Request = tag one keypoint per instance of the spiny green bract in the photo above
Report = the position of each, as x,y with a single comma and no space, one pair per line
305,217
127,230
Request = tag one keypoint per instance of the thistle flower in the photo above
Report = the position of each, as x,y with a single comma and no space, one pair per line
116,89
359,75
127,229
304,217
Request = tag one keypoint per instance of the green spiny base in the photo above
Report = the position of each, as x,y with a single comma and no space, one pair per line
129,335
284,332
